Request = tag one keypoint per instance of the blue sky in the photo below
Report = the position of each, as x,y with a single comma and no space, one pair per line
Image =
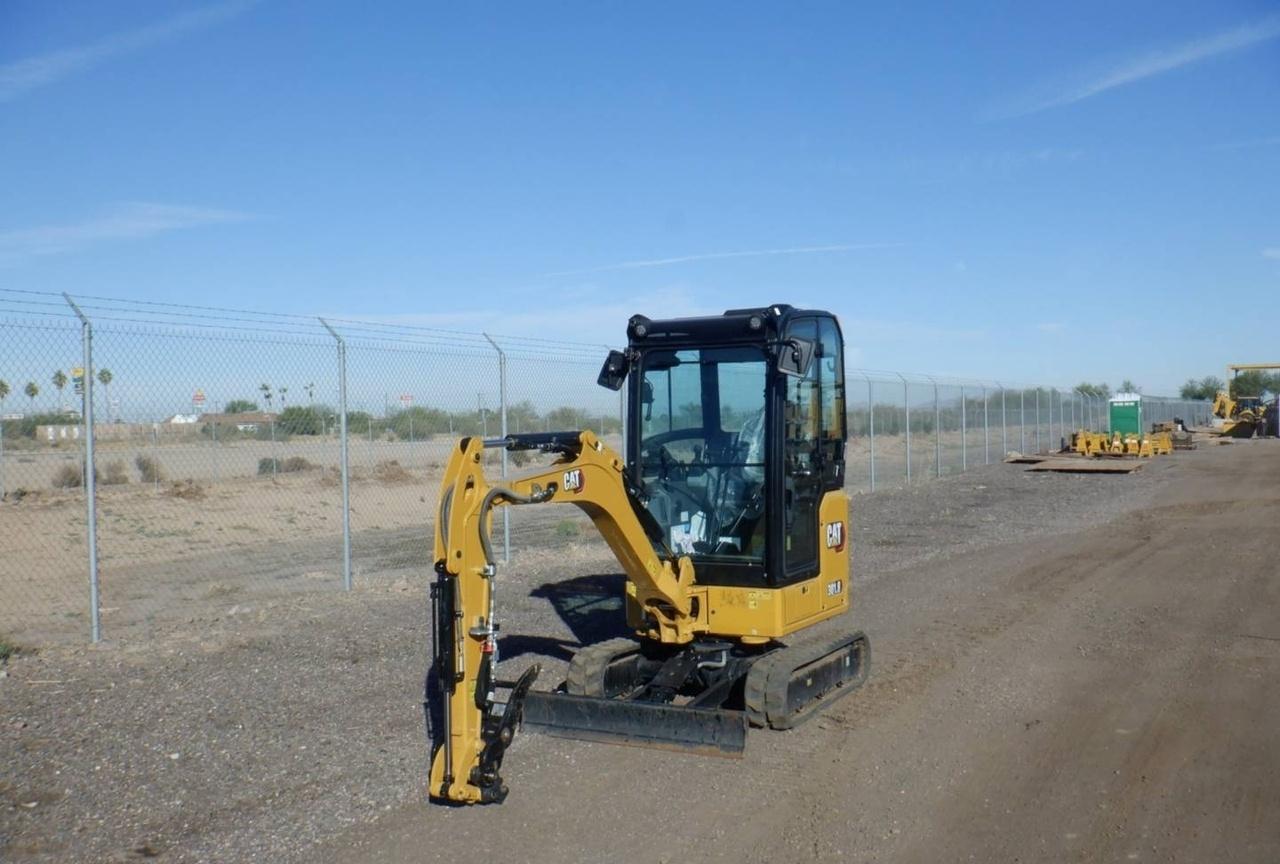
1039,192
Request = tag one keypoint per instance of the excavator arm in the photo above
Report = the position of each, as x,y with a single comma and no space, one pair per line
471,730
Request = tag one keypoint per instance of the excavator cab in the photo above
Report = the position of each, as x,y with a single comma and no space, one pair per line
736,431
727,514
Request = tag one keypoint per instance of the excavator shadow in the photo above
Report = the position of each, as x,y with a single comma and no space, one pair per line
590,606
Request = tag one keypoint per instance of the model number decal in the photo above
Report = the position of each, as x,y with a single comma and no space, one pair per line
835,535
834,588
574,481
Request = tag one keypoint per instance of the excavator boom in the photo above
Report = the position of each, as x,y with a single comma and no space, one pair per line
588,475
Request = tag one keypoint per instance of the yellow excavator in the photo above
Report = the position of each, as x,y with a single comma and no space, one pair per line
728,517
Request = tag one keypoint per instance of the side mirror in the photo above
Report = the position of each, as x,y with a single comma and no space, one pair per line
614,371
795,356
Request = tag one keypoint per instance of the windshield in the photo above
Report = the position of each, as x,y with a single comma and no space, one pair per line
701,453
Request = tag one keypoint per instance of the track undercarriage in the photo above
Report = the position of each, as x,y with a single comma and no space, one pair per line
699,697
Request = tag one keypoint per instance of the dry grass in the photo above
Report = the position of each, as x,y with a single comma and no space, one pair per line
188,490
16,496
391,471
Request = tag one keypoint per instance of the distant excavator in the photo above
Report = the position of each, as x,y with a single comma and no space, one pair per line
1244,416
727,515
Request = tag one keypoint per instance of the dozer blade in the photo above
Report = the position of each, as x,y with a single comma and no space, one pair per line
642,724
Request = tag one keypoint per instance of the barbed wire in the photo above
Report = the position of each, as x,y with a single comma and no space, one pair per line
228,318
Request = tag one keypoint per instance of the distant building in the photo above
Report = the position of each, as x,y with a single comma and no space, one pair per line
249,421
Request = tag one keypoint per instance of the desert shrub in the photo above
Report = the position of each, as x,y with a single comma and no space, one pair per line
8,648
519,458
270,465
567,529
296,463
71,476
391,471
116,474
149,469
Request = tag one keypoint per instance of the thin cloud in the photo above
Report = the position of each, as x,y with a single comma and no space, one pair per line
1250,143
1272,252
1050,327
1152,64
714,256
131,221
22,76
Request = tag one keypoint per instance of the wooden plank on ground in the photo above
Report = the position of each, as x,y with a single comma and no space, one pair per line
1089,466
1024,459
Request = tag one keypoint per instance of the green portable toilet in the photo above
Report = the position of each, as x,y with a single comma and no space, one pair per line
1126,413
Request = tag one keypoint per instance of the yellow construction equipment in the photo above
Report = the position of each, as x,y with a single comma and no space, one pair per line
728,517
1240,418
1086,443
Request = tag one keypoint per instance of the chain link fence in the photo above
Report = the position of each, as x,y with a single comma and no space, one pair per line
220,468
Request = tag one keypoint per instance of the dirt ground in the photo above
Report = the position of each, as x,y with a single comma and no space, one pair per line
1066,668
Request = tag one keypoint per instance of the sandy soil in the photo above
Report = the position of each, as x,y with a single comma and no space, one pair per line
1066,668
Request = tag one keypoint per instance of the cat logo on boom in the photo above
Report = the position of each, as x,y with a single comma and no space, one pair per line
835,536
574,481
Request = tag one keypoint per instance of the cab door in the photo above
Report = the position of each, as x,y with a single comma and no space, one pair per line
801,460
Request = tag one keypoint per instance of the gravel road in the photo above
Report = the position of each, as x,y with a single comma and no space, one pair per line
1066,668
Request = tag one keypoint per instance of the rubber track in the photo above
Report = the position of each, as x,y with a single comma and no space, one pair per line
765,694
587,668
753,692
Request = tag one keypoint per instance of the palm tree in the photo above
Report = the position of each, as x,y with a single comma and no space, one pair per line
59,380
105,376
32,392
266,394
4,391
283,391
311,393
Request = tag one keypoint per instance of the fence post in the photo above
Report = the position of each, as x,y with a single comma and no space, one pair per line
90,467
1038,447
986,427
1062,419
871,429
1049,431
502,402
906,404
1022,418
964,434
937,429
1004,426
344,463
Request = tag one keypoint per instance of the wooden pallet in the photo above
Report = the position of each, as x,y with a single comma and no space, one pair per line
1088,466
1024,458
